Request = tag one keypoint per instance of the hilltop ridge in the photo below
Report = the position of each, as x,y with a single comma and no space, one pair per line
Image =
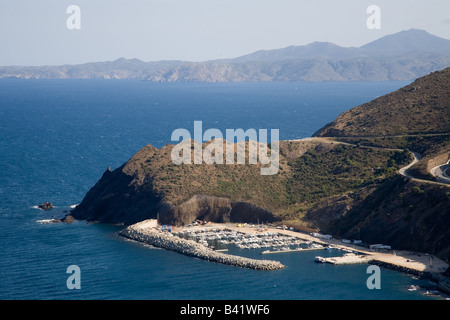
421,107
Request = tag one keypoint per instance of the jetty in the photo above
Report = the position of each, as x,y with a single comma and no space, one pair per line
147,233
293,250
348,258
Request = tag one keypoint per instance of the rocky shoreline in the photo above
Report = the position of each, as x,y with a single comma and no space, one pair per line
398,268
191,248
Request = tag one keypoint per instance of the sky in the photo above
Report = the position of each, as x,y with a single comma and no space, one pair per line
35,32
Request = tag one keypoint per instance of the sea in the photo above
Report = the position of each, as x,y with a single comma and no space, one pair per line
57,137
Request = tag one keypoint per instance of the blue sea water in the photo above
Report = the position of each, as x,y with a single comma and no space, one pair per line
57,137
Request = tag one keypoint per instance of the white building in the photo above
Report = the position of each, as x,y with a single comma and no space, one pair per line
379,247
322,236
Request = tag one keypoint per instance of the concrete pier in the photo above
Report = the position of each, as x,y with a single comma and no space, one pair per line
348,258
292,250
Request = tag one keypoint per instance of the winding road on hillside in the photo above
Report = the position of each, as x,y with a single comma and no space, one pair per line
441,173
437,172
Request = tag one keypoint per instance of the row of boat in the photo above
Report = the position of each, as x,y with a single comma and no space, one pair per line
223,237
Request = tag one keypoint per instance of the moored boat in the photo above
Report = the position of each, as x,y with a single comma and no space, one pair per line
319,259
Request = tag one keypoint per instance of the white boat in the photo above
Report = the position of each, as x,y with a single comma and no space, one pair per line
319,259
46,221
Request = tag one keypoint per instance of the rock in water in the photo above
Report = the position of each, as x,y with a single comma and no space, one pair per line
68,219
46,206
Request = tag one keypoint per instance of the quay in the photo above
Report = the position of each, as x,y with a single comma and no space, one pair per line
292,250
400,260
348,258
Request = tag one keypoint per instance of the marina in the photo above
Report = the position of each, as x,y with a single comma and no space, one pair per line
273,241
210,241
347,252
147,233
281,240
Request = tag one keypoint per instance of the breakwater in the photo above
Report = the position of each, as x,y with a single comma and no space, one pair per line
399,268
191,248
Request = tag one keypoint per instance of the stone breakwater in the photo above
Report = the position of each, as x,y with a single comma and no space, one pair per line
191,248
398,268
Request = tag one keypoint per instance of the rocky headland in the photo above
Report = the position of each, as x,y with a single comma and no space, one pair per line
346,182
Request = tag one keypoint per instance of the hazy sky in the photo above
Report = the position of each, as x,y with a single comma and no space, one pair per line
34,32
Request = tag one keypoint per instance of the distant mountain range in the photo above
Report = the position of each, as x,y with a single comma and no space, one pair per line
406,55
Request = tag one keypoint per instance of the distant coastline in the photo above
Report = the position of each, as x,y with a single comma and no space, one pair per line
406,55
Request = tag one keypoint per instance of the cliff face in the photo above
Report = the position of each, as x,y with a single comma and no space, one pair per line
216,209
146,186
114,200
